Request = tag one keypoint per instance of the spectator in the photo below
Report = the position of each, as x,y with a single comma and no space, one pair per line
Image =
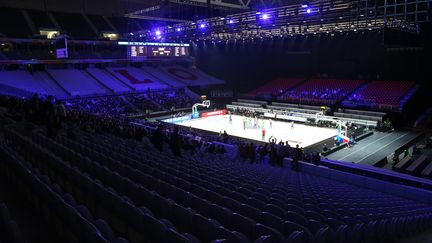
175,142
263,153
157,138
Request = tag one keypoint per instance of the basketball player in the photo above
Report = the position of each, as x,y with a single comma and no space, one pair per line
292,126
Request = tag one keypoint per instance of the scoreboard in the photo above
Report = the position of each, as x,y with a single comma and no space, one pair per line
139,50
157,51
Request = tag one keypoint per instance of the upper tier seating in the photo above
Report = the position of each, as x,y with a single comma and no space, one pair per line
190,76
22,80
321,91
276,86
137,78
108,80
381,92
49,85
164,77
77,82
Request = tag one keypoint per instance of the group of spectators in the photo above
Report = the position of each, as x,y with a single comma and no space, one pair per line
182,142
173,99
143,103
185,142
146,102
273,153
113,105
325,94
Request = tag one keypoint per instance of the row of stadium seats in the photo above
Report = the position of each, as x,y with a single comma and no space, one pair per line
319,91
9,229
330,91
276,87
195,199
64,83
382,92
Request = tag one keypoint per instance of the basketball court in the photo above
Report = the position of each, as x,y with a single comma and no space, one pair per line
300,134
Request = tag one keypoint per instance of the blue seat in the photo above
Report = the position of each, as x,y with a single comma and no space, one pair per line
249,211
104,228
275,210
271,220
355,234
290,227
84,212
265,239
230,203
200,205
294,208
213,197
238,197
174,236
296,218
297,237
182,216
242,224
221,214
263,230
156,228
255,203
224,235
203,228
315,216
13,233
182,197
260,197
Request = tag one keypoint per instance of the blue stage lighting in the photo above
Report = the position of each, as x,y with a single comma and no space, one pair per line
265,16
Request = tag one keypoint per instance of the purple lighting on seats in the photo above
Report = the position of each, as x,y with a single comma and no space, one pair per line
158,32
178,29
202,26
308,10
265,16
230,21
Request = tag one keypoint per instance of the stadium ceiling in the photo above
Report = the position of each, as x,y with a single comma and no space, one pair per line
159,9
318,16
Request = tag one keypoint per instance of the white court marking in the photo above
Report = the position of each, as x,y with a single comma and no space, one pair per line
301,134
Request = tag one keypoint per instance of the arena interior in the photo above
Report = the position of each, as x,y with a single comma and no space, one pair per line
219,121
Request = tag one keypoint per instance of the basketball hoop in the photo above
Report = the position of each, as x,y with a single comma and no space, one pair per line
195,113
